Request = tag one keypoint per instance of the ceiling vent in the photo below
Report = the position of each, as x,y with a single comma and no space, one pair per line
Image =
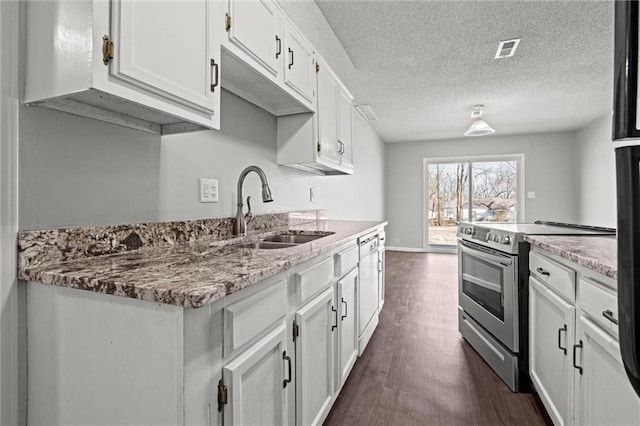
507,48
366,112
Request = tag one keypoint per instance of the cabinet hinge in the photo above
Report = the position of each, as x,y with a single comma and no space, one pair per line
227,21
296,331
222,395
107,49
318,146
317,67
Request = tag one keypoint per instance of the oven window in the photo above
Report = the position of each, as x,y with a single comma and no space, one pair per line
483,282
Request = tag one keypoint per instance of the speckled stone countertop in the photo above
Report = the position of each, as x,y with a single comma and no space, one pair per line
598,253
188,274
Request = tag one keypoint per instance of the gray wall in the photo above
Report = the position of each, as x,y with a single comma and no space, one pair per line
12,348
223,155
77,172
549,171
596,172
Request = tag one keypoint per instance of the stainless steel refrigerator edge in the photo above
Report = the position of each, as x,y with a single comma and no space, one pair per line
626,126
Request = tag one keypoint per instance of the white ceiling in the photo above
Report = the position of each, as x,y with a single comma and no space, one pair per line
422,65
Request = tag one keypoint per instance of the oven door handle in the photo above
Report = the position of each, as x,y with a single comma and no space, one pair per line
483,283
506,261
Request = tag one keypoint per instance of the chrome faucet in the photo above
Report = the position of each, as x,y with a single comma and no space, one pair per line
240,227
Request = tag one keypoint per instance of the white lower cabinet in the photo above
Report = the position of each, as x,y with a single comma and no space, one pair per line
347,349
603,393
277,352
257,380
316,322
551,325
575,362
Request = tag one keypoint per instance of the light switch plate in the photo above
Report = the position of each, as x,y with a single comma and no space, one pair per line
208,190
531,194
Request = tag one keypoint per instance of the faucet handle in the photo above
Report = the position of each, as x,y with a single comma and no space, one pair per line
248,216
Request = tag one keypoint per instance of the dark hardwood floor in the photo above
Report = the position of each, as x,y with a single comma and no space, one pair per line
417,369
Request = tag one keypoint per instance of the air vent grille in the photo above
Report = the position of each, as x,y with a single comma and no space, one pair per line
507,48
366,112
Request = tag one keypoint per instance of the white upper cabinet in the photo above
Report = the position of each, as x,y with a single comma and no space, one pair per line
266,60
148,65
299,70
255,29
320,143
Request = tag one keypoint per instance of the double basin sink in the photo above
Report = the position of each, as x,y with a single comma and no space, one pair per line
281,241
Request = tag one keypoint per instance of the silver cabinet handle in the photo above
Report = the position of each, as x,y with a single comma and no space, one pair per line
335,311
279,43
285,382
560,330
543,272
609,315
346,309
214,75
575,365
291,57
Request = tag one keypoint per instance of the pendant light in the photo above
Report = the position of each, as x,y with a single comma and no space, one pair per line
478,127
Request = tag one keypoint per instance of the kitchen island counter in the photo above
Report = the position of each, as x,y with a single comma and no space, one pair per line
187,274
597,253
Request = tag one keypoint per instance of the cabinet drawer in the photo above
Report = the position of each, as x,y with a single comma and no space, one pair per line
311,281
250,317
600,303
346,260
559,277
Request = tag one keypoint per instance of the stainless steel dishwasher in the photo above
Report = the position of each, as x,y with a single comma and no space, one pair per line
367,289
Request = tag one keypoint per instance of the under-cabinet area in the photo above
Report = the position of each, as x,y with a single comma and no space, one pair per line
575,362
274,352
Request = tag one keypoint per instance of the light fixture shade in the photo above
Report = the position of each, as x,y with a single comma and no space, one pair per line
479,128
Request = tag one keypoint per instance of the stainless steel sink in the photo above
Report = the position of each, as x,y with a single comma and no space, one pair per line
293,238
264,245
281,241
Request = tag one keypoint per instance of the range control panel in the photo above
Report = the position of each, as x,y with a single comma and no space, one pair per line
500,240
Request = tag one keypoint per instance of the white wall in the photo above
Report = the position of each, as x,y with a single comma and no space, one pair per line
549,171
12,349
596,171
596,174
223,155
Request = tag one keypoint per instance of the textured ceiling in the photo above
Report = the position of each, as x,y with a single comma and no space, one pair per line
422,65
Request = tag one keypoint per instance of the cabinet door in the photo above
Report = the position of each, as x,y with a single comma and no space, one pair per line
256,382
345,126
551,331
149,55
327,117
347,327
603,393
314,359
255,30
300,66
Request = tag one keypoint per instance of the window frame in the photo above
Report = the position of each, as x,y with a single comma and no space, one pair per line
519,158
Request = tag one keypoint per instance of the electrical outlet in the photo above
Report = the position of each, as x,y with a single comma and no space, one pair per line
531,194
208,190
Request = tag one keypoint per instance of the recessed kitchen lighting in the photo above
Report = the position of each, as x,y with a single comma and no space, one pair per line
507,48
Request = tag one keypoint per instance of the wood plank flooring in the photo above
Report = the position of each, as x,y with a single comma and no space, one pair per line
417,369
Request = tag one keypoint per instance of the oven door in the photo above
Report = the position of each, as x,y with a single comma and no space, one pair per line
487,290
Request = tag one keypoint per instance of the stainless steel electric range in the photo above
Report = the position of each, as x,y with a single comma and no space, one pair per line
493,291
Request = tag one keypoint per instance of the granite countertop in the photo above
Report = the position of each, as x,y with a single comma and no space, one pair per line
598,253
191,274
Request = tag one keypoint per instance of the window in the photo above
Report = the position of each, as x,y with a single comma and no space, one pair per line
472,189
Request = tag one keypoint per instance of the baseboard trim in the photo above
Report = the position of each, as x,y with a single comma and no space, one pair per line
407,249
